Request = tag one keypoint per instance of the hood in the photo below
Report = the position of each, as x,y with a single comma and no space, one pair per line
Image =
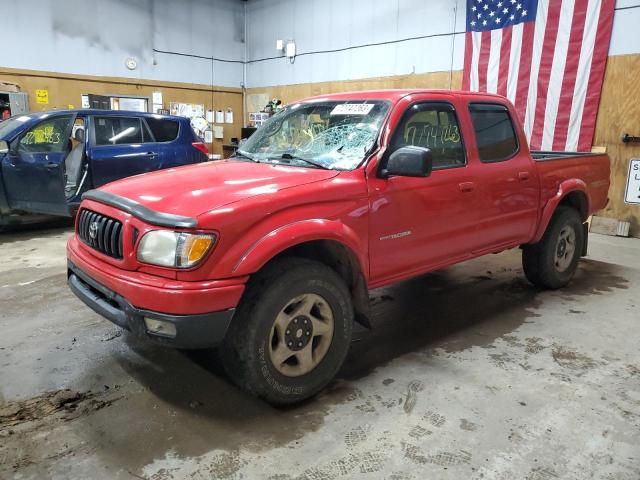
199,188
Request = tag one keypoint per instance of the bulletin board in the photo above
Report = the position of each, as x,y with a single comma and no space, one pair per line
189,110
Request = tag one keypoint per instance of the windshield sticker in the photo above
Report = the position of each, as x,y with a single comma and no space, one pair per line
352,109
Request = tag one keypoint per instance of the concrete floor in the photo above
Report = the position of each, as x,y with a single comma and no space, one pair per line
469,373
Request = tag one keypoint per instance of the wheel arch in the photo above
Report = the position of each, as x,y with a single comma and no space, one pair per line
328,242
572,193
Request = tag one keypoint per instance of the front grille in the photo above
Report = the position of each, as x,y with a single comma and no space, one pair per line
100,232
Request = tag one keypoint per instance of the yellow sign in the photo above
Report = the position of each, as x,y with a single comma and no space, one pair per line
42,96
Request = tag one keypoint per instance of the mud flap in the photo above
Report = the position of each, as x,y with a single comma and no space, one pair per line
360,298
585,245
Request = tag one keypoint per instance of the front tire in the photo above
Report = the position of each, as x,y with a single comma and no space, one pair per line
291,332
553,261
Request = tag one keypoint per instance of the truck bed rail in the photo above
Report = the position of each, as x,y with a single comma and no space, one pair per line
541,155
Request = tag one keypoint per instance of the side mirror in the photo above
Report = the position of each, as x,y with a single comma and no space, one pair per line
409,161
4,147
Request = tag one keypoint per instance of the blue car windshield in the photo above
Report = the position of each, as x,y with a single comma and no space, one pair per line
10,125
325,134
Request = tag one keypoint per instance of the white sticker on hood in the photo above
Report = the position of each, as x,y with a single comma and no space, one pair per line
352,109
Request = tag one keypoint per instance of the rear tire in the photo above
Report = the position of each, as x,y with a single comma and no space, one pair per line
553,261
291,332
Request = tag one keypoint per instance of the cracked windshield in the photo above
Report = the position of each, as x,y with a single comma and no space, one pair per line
331,135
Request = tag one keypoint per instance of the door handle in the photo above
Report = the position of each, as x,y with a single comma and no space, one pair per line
151,154
51,165
467,187
523,176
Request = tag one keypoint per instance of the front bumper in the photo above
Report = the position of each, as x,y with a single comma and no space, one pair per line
192,331
155,293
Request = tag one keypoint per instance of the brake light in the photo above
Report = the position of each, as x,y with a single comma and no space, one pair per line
201,147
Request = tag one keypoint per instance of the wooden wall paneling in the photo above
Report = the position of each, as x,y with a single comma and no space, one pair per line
291,93
619,113
65,90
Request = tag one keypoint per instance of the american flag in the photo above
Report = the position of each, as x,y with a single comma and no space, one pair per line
547,57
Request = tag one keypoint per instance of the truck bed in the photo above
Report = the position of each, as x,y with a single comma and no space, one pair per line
591,168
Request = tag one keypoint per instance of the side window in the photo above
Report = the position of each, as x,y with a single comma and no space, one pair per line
118,130
434,126
48,136
495,134
163,130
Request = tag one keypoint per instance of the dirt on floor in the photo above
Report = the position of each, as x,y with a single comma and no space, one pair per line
469,372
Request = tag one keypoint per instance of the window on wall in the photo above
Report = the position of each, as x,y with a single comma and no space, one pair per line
129,103
495,134
118,130
48,136
433,126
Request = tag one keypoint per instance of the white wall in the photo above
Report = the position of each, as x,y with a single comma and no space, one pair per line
95,37
625,38
332,24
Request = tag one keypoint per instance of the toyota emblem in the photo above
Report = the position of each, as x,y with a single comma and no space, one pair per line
93,230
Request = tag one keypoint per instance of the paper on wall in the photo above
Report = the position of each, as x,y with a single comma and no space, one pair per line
189,110
218,131
219,116
208,136
199,123
228,116
157,98
210,116
42,96
256,101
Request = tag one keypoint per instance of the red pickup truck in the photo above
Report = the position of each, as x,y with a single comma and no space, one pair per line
270,254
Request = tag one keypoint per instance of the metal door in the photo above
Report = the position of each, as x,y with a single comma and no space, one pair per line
33,170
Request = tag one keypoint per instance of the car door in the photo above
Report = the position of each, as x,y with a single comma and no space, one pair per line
508,187
165,134
120,146
418,223
33,169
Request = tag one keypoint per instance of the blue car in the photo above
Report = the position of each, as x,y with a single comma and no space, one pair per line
49,159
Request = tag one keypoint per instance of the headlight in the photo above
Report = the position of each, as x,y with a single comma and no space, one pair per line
174,249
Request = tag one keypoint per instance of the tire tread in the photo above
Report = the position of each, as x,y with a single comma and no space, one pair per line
537,258
239,356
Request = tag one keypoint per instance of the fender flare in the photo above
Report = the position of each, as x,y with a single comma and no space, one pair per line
564,189
287,236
